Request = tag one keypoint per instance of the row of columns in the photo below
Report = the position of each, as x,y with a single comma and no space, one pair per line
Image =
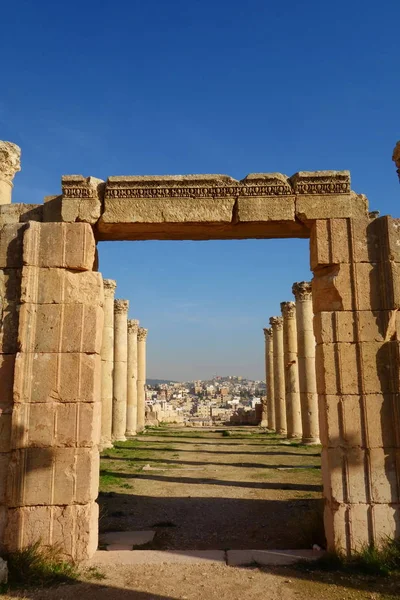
292,401
123,374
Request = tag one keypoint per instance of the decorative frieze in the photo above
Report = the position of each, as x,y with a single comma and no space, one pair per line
77,186
321,182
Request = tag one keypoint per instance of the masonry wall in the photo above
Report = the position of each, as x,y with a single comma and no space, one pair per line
53,458
356,296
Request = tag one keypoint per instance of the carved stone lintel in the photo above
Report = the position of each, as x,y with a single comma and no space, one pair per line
121,306
321,182
77,186
10,161
142,334
302,291
109,286
396,157
133,325
276,323
288,310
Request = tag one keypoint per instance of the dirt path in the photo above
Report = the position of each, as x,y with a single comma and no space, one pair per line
202,490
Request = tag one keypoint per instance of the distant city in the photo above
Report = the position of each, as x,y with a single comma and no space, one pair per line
221,400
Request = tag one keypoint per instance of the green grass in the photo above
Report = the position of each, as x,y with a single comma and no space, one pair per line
39,566
380,561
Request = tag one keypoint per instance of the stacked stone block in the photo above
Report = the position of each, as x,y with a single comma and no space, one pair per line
356,296
55,431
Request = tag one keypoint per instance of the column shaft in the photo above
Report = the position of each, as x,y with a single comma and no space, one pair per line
306,358
120,369
107,364
131,408
141,380
279,374
292,392
269,368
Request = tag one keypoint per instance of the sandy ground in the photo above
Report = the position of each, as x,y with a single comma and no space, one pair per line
213,492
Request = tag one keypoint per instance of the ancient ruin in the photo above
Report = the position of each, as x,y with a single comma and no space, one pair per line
52,378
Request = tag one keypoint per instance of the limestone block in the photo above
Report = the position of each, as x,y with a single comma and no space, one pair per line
346,472
5,427
9,320
337,368
385,521
7,365
20,213
49,377
73,528
82,198
11,237
353,326
353,287
65,245
336,241
268,208
334,206
10,286
3,523
57,425
53,476
60,328
173,199
4,461
384,475
61,286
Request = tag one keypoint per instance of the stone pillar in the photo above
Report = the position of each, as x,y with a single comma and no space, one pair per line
131,407
53,472
306,358
279,374
293,407
10,155
269,373
121,308
107,364
141,380
264,401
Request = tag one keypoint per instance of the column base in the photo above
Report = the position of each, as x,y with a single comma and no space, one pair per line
311,441
294,436
121,438
105,445
281,431
264,424
131,433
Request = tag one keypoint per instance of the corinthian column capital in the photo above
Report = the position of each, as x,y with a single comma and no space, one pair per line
276,322
133,325
302,291
10,163
288,310
142,334
121,306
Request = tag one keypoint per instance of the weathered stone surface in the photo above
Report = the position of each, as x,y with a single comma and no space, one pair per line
66,245
73,528
49,377
361,286
10,287
82,198
368,367
61,286
4,460
353,420
53,424
11,237
7,365
356,326
53,476
20,213
280,208
47,328
312,207
141,377
9,319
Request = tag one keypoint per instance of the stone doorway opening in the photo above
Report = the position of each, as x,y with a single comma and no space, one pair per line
52,373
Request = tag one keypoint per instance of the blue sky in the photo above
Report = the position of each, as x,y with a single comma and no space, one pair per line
194,86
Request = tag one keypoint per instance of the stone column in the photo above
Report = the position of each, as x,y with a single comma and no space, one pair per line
269,375
10,155
264,401
292,392
141,380
279,374
131,407
121,308
306,358
107,364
